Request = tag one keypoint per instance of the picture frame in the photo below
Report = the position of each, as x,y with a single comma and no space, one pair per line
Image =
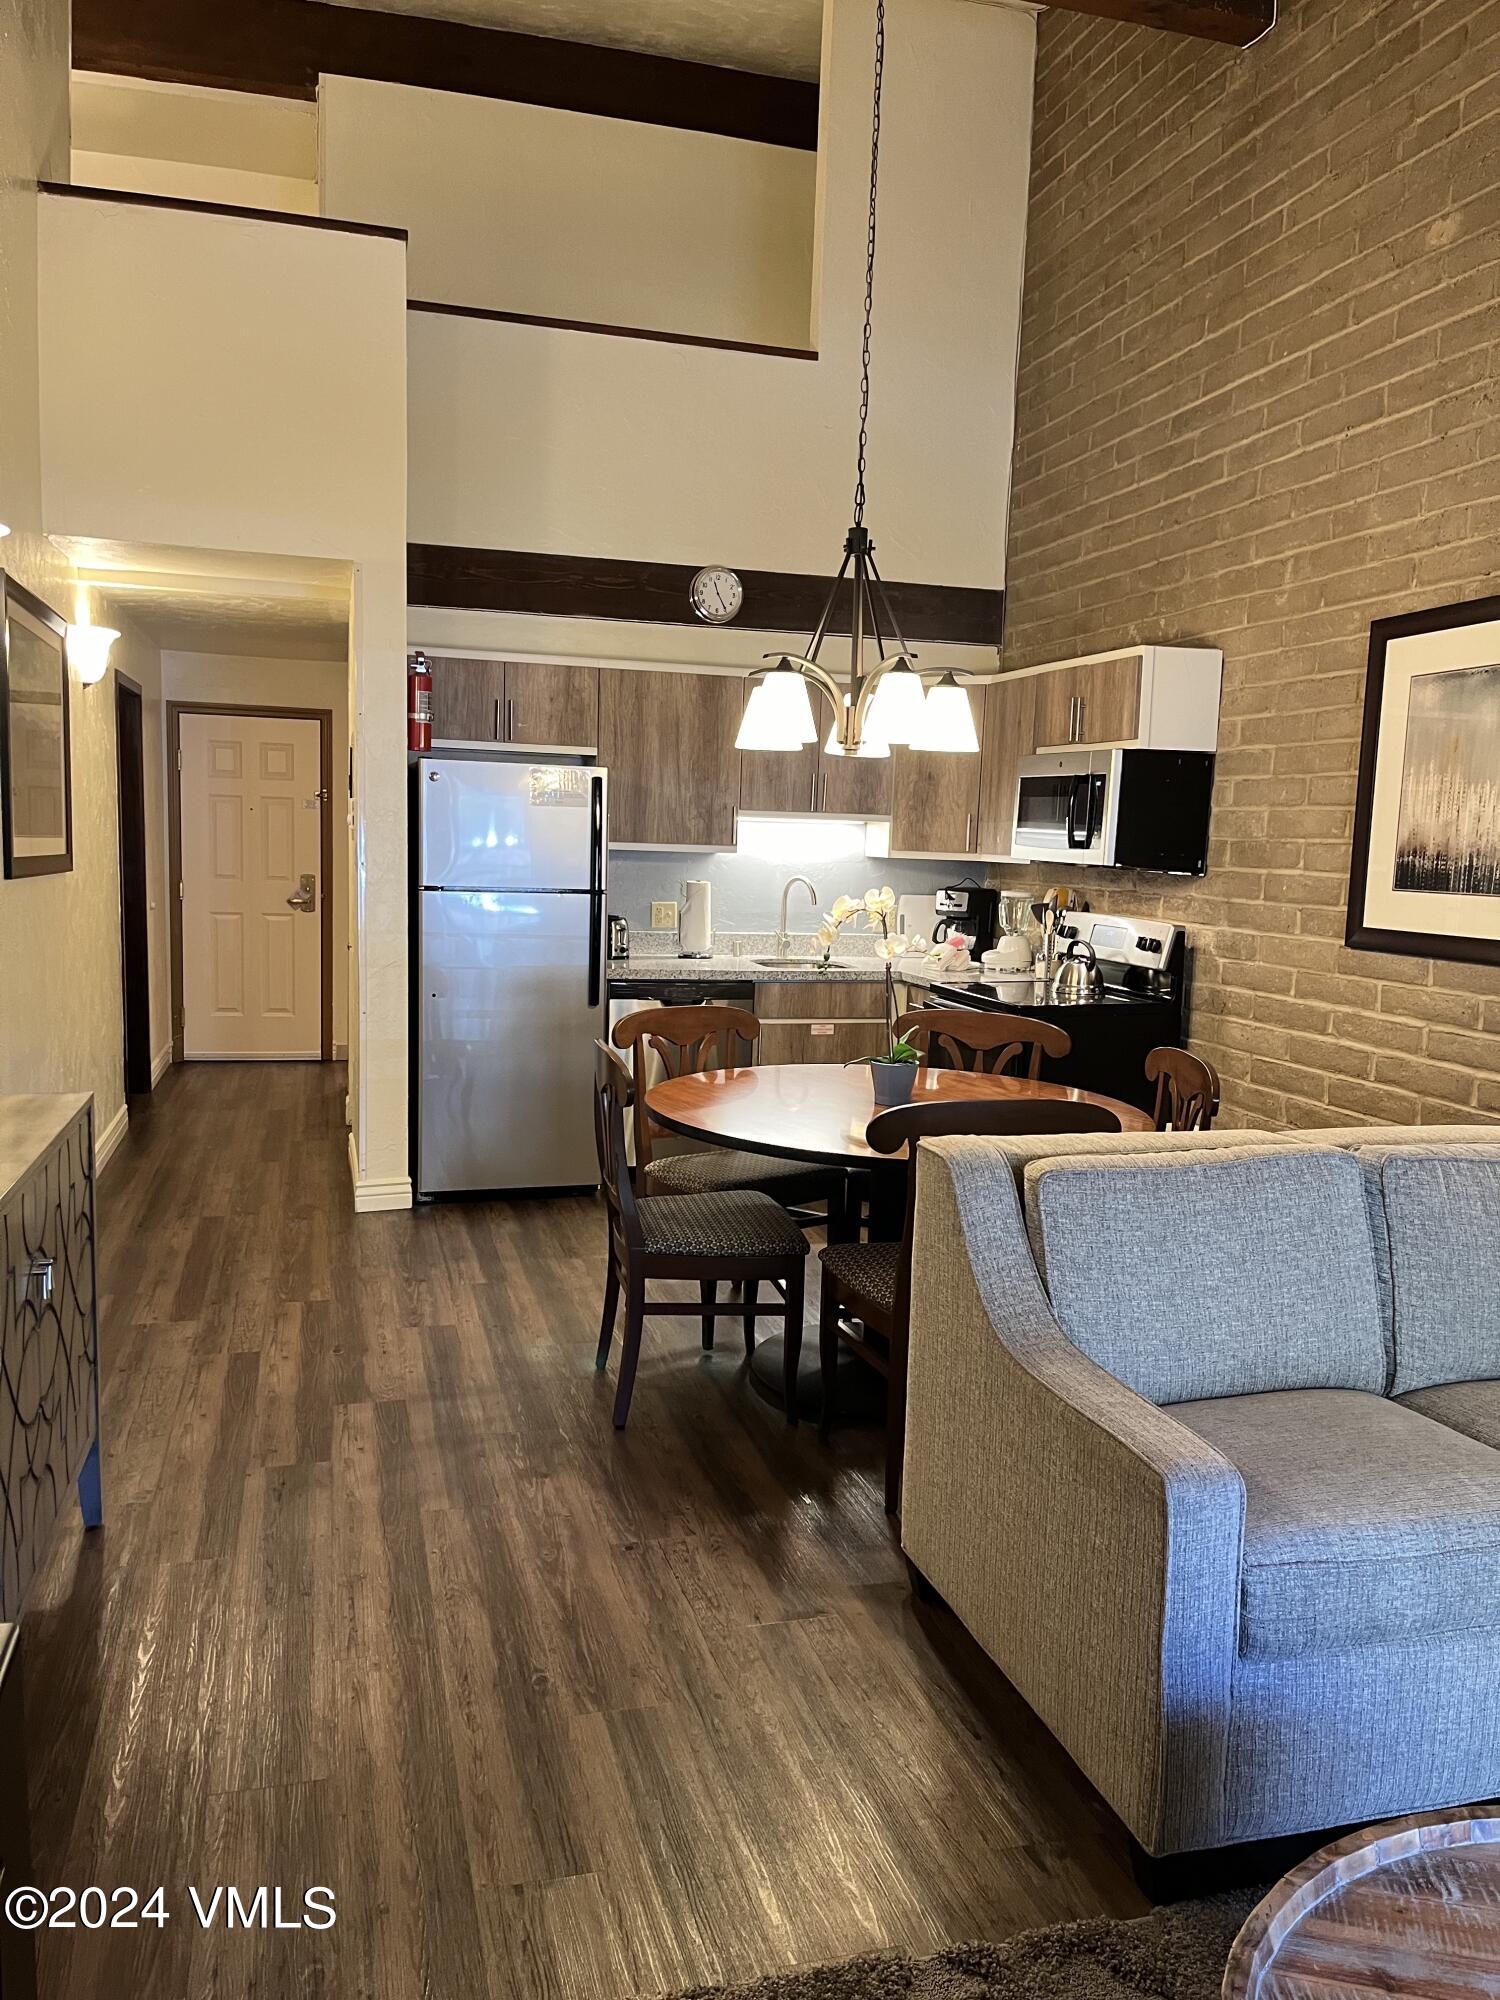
1424,874
36,765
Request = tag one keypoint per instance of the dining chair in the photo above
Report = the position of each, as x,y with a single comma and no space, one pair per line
739,1235
686,1041
867,1286
1187,1090
964,1038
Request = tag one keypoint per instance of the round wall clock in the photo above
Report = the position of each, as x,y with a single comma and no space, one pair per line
716,595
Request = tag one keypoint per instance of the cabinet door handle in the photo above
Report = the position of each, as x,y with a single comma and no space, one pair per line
510,720
1082,702
968,833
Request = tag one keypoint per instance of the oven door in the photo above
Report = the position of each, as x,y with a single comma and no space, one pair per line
1062,807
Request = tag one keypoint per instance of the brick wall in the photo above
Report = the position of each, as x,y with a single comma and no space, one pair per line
1257,409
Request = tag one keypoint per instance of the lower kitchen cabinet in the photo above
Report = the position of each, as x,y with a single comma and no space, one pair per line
820,1021
667,741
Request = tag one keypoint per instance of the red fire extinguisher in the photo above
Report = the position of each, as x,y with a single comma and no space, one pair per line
419,704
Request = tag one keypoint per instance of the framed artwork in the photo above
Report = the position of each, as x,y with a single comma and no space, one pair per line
36,783
1424,877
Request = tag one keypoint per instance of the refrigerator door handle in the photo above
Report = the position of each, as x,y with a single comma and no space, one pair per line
596,889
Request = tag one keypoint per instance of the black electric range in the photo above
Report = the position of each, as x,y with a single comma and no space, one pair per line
1141,1008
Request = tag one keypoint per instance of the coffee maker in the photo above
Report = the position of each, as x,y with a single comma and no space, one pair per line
971,911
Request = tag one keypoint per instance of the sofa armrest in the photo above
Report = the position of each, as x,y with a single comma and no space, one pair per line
1090,1542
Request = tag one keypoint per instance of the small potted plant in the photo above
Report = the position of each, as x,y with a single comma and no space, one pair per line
893,1074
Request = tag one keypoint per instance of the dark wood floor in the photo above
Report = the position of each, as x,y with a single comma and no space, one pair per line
383,1603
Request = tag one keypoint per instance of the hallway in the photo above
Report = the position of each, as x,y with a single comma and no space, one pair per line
383,1604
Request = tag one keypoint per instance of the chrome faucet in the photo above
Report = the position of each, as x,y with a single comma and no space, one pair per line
783,935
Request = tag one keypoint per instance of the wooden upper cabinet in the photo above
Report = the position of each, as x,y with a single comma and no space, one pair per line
468,700
551,704
667,741
1097,703
854,787
780,781
934,801
1007,734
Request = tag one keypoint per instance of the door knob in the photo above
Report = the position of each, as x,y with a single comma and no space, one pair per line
305,895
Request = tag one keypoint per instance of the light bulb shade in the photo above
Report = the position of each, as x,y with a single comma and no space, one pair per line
896,705
778,714
947,719
88,651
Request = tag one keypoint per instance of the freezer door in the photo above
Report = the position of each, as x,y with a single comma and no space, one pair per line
510,826
507,1032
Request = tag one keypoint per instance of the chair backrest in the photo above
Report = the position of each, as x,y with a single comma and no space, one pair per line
1187,1090
613,1091
961,1038
709,1034
905,1124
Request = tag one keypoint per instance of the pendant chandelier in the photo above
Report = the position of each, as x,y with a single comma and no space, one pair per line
883,701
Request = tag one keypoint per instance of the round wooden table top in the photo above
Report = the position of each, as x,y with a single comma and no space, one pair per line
1411,1907
819,1111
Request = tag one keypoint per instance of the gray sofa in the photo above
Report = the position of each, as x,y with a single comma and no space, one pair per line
1203,1446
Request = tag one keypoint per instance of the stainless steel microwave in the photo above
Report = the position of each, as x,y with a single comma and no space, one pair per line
1115,809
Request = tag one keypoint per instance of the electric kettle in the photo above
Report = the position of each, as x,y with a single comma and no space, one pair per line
1079,977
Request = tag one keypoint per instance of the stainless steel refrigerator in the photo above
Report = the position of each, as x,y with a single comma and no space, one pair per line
510,994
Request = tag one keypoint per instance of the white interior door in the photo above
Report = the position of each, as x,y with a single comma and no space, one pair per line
252,923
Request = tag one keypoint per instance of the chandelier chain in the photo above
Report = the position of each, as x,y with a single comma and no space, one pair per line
864,369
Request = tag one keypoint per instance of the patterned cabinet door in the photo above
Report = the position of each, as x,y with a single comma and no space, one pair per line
49,1357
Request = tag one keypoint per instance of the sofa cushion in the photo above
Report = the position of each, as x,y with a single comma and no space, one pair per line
1470,1407
1365,1522
1435,1212
1213,1273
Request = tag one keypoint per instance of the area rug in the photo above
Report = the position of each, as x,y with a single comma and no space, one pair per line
1177,1953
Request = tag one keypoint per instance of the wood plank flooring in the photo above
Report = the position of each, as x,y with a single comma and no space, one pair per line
383,1603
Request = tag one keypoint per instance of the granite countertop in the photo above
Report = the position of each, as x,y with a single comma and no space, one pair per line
29,1127
725,966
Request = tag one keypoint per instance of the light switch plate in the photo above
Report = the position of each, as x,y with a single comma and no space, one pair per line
664,916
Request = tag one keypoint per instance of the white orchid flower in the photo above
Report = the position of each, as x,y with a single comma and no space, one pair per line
844,907
828,932
880,899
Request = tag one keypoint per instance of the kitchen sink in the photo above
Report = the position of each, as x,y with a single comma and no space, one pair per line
807,964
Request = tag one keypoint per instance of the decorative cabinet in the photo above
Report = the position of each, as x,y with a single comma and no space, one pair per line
49,1421
548,704
667,741
820,1021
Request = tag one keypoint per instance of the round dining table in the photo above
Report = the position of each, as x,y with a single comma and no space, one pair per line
819,1112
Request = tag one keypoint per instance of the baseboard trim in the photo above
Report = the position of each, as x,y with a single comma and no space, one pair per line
161,1062
107,1142
376,1197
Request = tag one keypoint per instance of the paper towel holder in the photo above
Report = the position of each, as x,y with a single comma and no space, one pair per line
695,931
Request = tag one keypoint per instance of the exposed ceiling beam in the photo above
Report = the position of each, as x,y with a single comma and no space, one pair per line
1238,22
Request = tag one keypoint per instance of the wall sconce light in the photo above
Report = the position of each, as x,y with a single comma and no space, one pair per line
88,650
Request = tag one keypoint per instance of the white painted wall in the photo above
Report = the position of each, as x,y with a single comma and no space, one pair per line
245,391
232,678
530,438
523,208
60,1019
200,145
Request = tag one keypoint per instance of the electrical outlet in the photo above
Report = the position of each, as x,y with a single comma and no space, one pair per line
664,916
